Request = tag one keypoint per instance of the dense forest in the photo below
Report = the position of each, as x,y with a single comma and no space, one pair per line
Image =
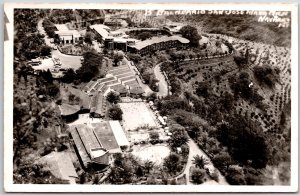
34,113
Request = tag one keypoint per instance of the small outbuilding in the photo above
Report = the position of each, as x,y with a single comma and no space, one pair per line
69,113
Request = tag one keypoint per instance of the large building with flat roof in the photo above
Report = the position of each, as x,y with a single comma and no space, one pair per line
95,142
158,43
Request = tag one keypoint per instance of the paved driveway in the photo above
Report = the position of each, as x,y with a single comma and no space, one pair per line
42,31
193,151
67,61
163,85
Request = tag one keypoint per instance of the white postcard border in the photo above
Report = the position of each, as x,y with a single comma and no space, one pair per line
8,102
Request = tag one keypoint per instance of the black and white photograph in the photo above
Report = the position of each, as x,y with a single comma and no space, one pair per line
154,98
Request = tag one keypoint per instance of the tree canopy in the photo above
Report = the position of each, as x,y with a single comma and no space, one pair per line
91,66
112,97
238,135
115,113
266,75
191,33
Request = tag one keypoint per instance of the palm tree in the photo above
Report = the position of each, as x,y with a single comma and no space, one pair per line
200,161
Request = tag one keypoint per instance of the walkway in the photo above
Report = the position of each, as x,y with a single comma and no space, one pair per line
163,85
193,151
42,31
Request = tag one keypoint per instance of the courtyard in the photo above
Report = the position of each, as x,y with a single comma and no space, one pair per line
153,153
67,61
137,115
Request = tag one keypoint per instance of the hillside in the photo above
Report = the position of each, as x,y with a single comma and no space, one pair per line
240,26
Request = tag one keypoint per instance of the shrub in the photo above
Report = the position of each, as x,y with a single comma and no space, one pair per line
198,176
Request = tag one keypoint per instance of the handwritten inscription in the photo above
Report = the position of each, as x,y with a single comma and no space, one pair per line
280,17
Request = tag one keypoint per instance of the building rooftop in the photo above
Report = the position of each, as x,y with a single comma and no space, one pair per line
61,27
88,144
98,104
142,44
67,109
106,136
60,165
119,133
63,30
97,152
103,30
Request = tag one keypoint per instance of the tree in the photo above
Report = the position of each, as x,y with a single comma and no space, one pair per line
91,66
115,113
202,89
282,119
118,56
200,161
226,101
71,98
89,37
45,50
112,97
240,61
148,166
140,171
154,135
52,90
69,76
238,135
144,35
82,178
235,176
222,160
191,33
134,57
96,179
171,163
46,76
266,75
178,138
229,45
198,175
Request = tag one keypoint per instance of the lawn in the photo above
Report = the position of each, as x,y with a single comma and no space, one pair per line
137,114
